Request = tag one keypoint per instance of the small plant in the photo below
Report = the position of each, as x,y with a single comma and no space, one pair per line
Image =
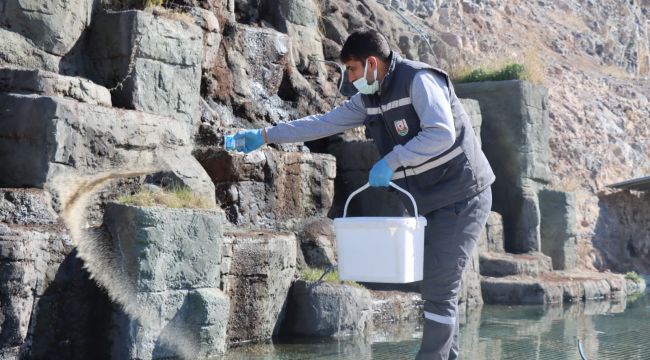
634,277
528,67
314,274
512,71
175,197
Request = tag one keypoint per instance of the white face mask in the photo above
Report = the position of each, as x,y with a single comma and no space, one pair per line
362,84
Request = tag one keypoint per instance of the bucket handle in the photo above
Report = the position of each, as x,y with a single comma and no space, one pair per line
367,185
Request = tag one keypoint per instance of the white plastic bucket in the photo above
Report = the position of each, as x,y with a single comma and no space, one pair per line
380,249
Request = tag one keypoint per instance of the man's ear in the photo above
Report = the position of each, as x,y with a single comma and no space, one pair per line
372,62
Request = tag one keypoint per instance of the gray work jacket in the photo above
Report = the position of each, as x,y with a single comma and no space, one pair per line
458,173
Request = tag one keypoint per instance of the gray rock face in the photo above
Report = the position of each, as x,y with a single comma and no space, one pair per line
318,243
515,135
67,136
54,26
268,188
196,320
166,66
209,23
492,237
173,258
323,309
299,20
182,170
558,228
49,305
26,207
19,52
391,307
501,264
257,270
622,237
473,110
52,84
167,249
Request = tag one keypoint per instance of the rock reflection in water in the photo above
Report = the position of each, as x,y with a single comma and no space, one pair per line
609,330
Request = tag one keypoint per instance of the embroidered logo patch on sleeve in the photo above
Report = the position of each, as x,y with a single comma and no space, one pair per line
402,127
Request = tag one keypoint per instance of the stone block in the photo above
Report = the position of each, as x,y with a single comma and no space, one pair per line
473,110
181,170
49,305
318,243
209,23
269,188
54,26
391,307
502,264
518,291
19,52
299,21
324,309
492,237
165,76
558,228
174,323
515,134
47,83
257,270
42,137
162,249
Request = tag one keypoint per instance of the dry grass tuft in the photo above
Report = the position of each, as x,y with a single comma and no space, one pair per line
176,198
176,14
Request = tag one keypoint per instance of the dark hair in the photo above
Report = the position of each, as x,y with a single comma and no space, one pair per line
363,43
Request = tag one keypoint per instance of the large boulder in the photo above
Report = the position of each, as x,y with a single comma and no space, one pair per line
257,270
54,26
270,188
42,137
157,61
559,228
515,134
324,309
171,259
163,249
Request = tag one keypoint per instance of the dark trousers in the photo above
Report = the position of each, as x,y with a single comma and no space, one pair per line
450,237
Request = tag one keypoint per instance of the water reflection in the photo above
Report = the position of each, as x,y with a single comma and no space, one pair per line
609,330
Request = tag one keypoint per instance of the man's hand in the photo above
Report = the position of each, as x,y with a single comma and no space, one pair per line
380,174
253,139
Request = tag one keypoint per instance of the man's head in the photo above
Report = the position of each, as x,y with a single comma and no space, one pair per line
365,48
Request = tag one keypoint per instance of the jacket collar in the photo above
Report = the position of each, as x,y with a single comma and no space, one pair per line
394,60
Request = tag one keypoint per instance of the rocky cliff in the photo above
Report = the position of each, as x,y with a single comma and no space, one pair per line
143,94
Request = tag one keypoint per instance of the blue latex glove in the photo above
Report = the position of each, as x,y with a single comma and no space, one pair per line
380,174
252,139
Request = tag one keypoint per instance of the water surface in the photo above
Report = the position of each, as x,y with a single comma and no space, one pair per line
609,331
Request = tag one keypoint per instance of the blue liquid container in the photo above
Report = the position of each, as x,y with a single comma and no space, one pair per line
232,144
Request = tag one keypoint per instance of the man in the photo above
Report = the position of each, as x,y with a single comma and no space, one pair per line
429,148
